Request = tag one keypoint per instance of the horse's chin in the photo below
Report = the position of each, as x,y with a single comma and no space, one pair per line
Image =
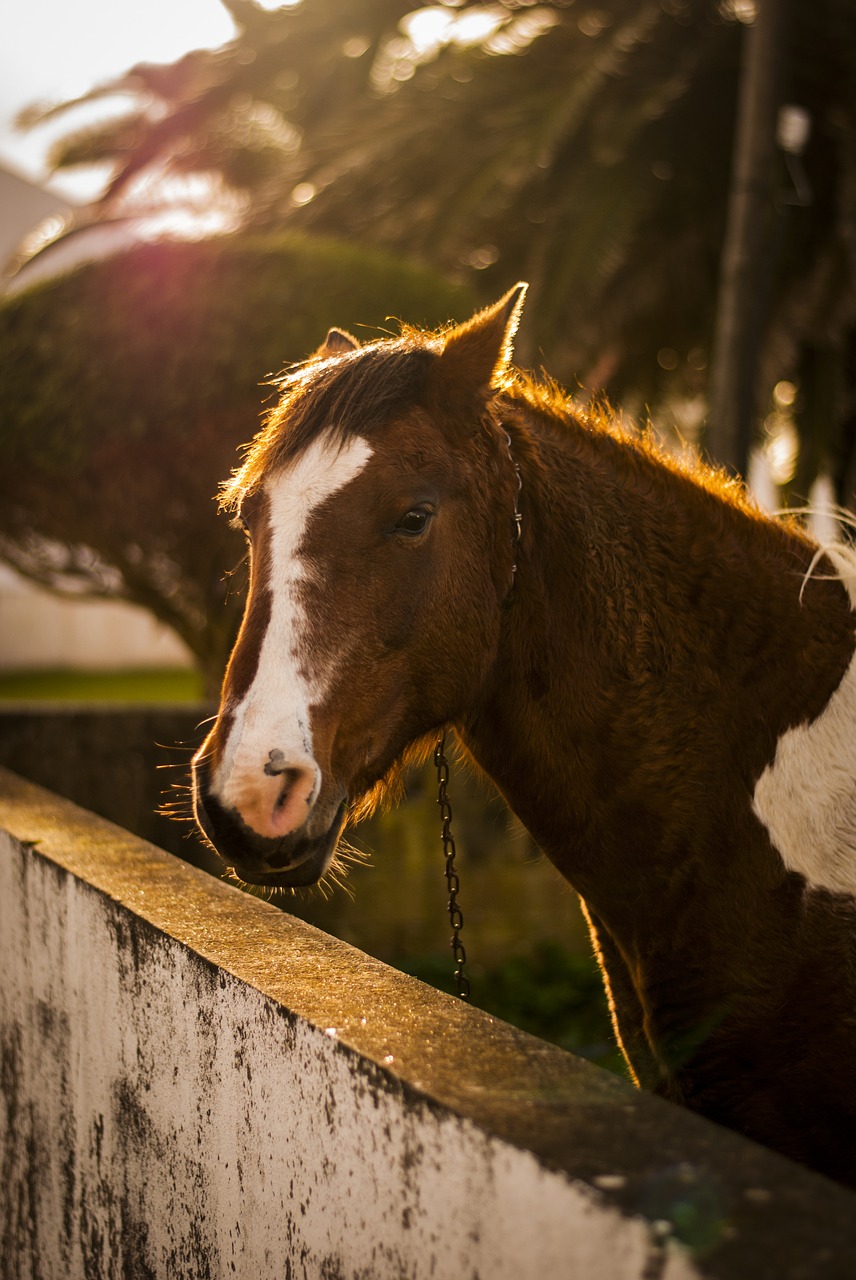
308,859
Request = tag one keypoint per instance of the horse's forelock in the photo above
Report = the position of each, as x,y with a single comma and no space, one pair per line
342,397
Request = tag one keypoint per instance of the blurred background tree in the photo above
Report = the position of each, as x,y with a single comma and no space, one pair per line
587,149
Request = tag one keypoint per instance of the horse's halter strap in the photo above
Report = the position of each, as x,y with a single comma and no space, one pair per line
517,518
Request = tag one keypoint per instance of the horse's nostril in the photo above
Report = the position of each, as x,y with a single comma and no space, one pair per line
279,859
276,767
289,778
283,806
276,764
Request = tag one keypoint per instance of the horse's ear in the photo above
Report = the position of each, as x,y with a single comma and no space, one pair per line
337,343
477,354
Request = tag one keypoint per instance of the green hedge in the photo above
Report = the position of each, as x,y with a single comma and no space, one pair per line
152,338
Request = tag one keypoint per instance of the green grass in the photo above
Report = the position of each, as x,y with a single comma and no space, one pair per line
170,685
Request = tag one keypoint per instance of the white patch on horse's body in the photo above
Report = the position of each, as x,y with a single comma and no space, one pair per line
807,797
270,734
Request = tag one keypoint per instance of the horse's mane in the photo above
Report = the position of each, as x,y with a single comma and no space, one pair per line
549,401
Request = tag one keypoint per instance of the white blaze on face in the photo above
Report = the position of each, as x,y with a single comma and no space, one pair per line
807,797
269,748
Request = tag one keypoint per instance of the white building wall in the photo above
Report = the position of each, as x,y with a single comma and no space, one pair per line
39,630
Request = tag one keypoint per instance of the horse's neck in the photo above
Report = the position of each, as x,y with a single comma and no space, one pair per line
654,652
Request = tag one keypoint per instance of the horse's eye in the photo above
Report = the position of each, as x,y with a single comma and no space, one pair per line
414,522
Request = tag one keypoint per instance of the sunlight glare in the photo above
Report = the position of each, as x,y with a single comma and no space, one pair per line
426,32
181,206
187,224
54,51
355,47
517,35
42,234
303,193
475,25
782,447
428,29
745,11
594,23
784,394
77,46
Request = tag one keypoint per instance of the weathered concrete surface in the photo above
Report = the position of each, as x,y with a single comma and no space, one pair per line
197,1085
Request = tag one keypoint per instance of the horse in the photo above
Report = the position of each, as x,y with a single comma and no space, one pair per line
658,677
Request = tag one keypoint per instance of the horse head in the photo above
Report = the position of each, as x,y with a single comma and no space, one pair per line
378,502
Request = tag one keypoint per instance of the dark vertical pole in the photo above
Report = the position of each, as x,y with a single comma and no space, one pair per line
739,313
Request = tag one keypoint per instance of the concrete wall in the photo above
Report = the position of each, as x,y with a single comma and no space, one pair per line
197,1085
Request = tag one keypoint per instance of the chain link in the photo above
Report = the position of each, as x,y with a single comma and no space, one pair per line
456,918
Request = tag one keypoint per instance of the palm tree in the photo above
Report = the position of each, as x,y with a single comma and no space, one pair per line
538,148
571,164
240,111
586,150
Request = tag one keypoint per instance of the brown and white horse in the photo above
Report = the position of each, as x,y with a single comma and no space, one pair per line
659,678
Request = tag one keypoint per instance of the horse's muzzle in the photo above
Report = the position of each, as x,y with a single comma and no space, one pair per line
289,861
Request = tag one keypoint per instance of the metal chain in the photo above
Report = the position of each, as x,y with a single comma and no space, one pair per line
456,918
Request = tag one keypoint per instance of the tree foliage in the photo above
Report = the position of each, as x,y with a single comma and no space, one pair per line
243,111
127,386
587,150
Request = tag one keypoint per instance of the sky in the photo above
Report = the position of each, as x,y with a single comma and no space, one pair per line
56,49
